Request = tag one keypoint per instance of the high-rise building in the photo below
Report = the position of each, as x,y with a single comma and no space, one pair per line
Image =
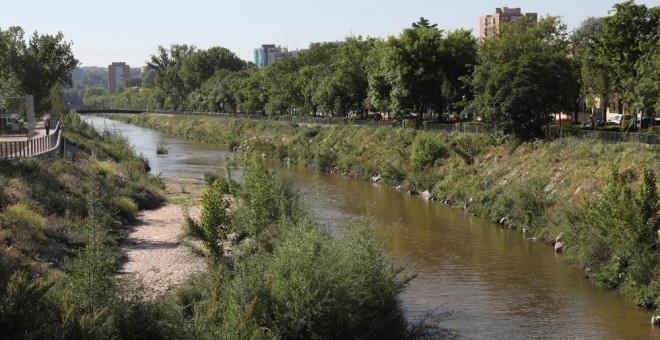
489,25
118,75
269,53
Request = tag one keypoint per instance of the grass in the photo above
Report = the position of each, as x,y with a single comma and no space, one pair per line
162,150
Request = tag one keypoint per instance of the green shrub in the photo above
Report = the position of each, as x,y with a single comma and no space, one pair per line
126,207
210,177
426,151
213,225
162,150
325,159
24,217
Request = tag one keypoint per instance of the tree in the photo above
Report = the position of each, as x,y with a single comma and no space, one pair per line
524,76
626,37
203,64
166,66
459,56
646,90
413,67
423,23
594,80
36,66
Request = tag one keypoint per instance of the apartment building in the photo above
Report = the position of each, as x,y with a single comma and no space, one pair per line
489,25
118,75
269,53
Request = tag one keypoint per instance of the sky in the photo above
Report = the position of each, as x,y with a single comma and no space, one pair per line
103,32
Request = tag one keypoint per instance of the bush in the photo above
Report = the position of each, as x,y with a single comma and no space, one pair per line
426,151
162,150
24,217
126,207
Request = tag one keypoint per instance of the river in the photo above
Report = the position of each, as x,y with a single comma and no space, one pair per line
487,281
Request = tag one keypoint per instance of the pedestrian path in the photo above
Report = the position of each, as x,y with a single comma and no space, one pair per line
14,147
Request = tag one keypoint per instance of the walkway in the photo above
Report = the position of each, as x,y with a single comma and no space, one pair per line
153,251
14,147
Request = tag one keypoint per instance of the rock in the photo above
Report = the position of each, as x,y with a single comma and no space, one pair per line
587,270
655,320
504,220
578,190
426,195
559,247
376,178
558,239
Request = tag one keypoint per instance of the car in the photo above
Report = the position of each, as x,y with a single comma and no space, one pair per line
13,123
616,119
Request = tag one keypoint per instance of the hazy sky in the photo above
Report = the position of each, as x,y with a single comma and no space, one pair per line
130,31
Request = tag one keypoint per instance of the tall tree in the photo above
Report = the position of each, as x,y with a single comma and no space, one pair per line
524,76
459,56
166,65
37,66
594,79
423,23
627,35
203,64
413,67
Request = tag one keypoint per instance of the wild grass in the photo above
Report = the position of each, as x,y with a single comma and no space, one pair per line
162,150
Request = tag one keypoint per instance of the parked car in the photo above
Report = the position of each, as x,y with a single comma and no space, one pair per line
646,122
617,119
13,123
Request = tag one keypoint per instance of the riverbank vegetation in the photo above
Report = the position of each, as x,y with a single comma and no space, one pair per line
272,271
61,219
275,273
546,189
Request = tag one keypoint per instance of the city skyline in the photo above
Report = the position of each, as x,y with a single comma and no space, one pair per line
130,32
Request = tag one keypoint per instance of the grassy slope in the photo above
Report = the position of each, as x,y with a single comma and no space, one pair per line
44,207
494,172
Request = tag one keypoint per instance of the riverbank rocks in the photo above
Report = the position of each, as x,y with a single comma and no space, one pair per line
655,320
426,195
558,238
376,179
559,247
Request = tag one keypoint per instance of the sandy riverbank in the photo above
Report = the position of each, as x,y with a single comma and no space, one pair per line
153,251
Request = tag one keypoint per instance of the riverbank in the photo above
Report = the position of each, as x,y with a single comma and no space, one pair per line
153,252
541,188
61,221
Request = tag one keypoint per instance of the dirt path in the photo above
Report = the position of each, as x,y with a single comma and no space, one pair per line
153,251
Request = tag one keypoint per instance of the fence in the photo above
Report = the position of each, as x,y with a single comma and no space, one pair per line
32,147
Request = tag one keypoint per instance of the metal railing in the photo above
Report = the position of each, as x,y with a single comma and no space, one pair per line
33,147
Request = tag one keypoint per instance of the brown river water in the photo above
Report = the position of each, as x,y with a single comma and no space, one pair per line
486,281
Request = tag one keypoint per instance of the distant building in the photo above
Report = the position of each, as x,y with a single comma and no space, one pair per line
118,75
489,25
269,53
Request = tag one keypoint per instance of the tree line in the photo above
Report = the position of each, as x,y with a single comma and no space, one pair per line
514,81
